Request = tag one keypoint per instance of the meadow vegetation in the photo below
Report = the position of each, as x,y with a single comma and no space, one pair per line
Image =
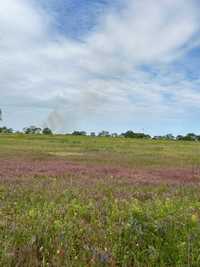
98,201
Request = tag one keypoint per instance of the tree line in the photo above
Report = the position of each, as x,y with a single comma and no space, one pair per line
27,130
127,134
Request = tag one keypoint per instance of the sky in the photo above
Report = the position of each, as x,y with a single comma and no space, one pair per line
101,65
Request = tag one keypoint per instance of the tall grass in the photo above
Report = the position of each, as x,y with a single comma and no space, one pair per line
92,217
154,227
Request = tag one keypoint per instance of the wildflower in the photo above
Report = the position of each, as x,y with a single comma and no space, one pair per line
194,218
32,213
128,225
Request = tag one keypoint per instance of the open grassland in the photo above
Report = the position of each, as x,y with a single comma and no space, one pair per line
84,201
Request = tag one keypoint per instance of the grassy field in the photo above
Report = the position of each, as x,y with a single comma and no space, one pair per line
84,201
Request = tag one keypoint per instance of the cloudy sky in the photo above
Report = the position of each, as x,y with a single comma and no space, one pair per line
101,64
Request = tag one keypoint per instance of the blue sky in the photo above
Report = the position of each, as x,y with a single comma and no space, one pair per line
101,64
76,18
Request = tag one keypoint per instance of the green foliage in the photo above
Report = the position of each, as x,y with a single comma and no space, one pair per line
189,137
6,130
104,134
47,131
131,134
79,133
81,220
32,130
39,228
128,134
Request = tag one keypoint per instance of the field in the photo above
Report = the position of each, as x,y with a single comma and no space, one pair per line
94,201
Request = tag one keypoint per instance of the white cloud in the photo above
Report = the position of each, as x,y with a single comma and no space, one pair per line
101,76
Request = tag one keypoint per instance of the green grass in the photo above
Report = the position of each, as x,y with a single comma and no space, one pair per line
58,222
126,151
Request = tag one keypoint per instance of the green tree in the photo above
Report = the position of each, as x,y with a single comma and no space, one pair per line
47,131
32,130
82,133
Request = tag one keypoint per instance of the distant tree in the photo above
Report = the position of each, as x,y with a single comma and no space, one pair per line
32,130
47,131
190,137
26,130
6,130
104,134
158,137
180,137
164,137
93,134
169,137
131,134
10,130
114,135
79,133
